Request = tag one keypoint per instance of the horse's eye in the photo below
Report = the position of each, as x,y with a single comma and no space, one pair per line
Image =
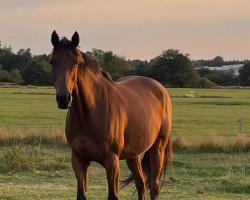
77,63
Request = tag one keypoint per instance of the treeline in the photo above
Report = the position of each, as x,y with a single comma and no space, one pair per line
218,61
23,68
172,68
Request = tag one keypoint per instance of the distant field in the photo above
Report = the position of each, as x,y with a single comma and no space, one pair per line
209,111
22,109
34,169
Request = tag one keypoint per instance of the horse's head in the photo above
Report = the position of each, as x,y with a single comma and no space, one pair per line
65,60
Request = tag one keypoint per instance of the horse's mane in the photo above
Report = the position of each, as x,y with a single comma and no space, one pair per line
91,63
94,66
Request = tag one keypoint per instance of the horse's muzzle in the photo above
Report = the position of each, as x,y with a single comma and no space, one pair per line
64,100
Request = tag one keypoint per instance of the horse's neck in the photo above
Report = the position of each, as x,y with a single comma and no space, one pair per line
89,86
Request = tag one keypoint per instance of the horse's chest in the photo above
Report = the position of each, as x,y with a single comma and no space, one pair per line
94,139
86,144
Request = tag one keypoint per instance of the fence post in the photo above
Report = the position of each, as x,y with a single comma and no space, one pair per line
240,126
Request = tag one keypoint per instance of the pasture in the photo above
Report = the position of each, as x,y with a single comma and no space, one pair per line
35,161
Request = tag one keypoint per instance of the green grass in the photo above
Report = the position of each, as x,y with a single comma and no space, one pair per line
49,176
37,167
22,112
204,116
196,116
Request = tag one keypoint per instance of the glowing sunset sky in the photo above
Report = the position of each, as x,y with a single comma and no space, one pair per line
136,29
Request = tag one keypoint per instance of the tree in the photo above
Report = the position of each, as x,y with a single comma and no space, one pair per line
141,68
10,60
218,61
204,71
174,68
221,77
244,74
95,53
16,76
117,66
38,72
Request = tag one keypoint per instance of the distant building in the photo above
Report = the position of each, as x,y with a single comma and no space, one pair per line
224,68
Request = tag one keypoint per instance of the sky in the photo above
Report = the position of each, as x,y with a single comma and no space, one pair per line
135,29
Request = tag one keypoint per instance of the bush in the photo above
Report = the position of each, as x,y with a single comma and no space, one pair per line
245,75
13,77
206,83
221,77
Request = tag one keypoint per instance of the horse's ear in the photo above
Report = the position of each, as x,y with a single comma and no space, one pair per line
54,39
75,39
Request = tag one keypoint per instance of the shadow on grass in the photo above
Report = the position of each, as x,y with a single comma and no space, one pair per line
234,187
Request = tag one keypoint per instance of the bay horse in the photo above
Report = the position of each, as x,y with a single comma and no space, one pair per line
108,121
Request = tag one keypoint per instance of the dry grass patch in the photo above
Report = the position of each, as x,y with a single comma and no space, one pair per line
2,133
213,143
54,136
180,143
242,143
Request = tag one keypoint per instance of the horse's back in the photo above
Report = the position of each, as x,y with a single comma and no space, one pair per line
145,89
134,82
146,111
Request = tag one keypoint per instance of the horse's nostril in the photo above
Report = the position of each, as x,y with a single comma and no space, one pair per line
64,97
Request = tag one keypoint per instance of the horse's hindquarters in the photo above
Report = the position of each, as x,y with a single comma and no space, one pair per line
147,107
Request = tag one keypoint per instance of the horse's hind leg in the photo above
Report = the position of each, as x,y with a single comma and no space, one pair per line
157,152
156,161
134,164
81,172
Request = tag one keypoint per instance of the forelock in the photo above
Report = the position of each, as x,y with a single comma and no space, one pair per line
65,45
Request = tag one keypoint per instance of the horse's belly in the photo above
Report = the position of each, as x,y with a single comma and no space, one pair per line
135,148
137,141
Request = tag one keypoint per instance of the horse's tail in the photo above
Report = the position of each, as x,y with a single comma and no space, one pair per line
145,162
167,162
147,167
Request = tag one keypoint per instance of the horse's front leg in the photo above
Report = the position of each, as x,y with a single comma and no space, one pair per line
112,170
81,170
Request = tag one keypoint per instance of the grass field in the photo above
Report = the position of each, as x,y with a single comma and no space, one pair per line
217,112
42,170
46,174
211,111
